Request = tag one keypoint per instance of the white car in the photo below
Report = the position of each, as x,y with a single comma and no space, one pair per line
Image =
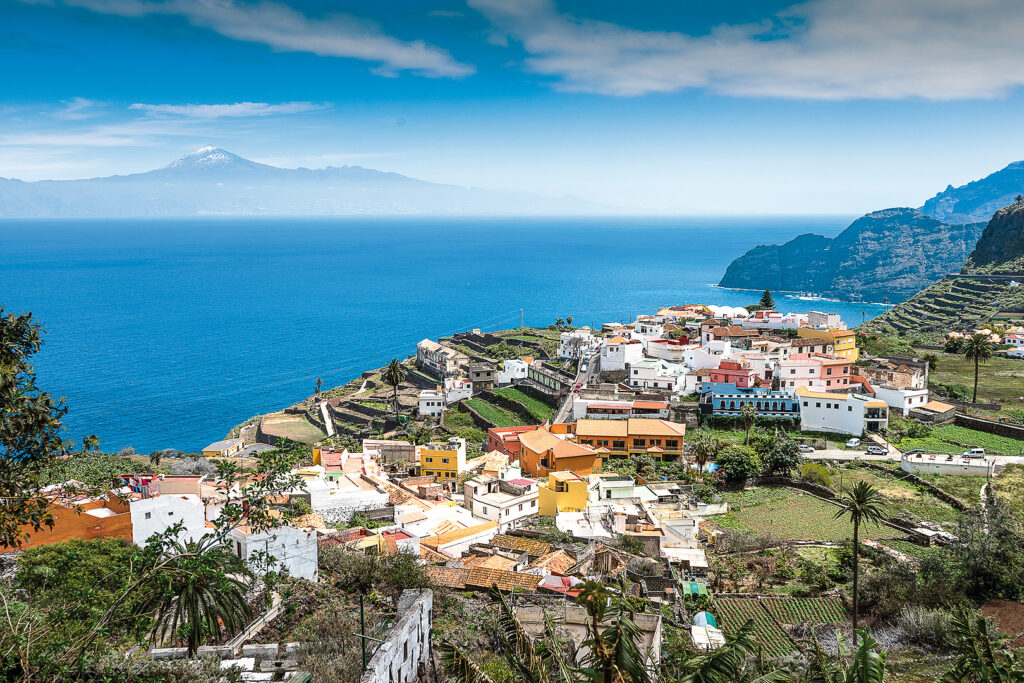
804,448
877,450
853,443
975,453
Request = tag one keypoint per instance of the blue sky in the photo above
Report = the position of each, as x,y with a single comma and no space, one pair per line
826,106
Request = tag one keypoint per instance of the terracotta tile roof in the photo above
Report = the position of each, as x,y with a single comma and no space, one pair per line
937,406
528,545
449,577
431,556
656,405
556,561
480,577
541,440
438,540
641,426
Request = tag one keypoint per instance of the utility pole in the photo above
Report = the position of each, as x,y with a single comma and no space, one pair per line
521,320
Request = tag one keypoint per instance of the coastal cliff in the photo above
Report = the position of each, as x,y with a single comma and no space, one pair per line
977,200
891,253
983,292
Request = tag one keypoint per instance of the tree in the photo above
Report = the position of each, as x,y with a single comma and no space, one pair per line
1019,199
197,590
90,443
767,302
704,447
739,462
977,348
981,656
747,414
154,458
932,360
559,322
30,425
783,457
319,385
568,320
863,503
393,375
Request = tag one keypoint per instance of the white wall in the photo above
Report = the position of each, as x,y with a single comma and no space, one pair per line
903,400
294,550
831,415
407,644
156,514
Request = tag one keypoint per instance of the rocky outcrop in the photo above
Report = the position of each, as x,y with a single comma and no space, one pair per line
891,253
1000,250
977,200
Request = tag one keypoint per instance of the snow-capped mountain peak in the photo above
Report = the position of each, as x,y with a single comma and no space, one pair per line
211,157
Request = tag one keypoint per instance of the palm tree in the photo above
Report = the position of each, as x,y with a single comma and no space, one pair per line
866,666
394,374
319,385
90,443
154,458
978,348
704,446
613,654
196,592
568,320
732,662
981,657
747,414
863,503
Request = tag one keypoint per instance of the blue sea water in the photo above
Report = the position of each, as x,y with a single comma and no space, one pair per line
167,333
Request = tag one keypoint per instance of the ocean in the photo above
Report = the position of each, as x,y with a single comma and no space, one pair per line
165,334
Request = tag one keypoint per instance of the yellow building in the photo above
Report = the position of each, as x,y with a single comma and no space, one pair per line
662,439
844,342
446,461
562,492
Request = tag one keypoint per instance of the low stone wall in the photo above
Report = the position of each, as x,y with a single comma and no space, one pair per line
932,488
991,427
343,511
406,651
478,419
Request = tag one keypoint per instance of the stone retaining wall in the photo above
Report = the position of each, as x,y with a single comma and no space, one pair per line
932,488
514,407
991,427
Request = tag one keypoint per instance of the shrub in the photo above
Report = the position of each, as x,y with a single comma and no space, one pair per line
301,506
816,474
739,462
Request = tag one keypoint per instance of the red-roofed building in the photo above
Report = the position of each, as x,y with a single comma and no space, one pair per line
731,372
506,439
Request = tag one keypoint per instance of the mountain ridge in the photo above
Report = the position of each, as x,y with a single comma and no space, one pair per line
213,181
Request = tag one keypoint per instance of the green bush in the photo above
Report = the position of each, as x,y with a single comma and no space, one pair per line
301,506
816,474
739,462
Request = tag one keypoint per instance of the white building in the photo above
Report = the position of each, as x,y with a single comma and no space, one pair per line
649,327
456,389
511,371
293,550
337,496
841,413
576,343
903,400
155,515
708,355
431,403
672,350
825,321
1017,342
653,373
957,465
617,353
504,500
441,360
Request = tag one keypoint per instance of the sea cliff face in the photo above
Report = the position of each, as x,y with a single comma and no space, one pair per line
982,293
891,253
977,200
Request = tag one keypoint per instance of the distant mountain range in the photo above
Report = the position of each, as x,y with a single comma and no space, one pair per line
212,181
885,254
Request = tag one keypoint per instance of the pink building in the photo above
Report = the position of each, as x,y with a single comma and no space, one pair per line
731,372
815,371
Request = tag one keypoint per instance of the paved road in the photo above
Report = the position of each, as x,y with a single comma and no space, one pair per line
588,377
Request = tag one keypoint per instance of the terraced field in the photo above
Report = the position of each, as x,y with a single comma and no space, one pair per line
733,613
496,415
536,408
951,303
791,516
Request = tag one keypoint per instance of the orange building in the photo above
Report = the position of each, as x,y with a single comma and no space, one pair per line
662,439
542,452
92,519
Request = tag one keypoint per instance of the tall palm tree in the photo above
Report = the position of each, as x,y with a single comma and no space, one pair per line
154,458
978,348
747,414
319,385
90,443
197,591
704,446
394,374
863,503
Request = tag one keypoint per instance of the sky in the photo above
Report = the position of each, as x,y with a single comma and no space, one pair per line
684,106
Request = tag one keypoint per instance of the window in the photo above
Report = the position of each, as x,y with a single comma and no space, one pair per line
444,461
811,371
849,409
639,443
619,445
793,371
828,383
148,515
520,507
533,503
671,444
430,460
817,404
483,510
170,514
829,371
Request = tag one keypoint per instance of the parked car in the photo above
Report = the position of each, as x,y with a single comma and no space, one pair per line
579,385
853,443
804,448
975,453
877,450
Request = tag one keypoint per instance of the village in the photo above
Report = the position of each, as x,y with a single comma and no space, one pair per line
697,458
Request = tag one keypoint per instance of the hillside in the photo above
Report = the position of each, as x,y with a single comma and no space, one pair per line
212,181
977,200
892,253
983,292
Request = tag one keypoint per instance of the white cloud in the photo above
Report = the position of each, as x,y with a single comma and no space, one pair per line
284,29
819,49
78,108
235,110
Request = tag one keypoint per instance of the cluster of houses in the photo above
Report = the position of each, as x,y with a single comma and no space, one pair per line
1012,338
